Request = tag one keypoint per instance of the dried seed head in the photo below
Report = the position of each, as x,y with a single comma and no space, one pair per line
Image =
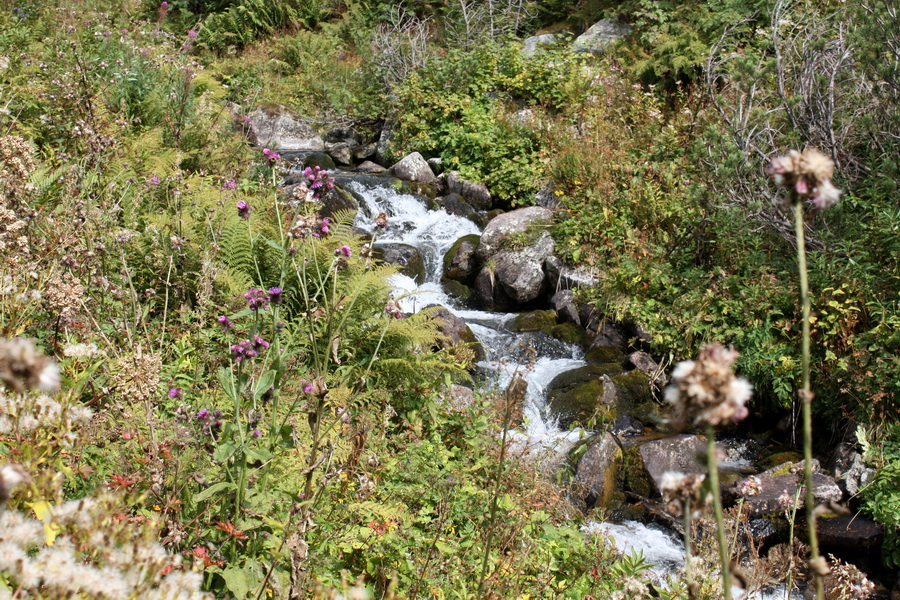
706,391
10,477
22,367
807,175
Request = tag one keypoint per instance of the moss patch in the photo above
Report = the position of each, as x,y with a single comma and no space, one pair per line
567,332
633,475
538,320
604,354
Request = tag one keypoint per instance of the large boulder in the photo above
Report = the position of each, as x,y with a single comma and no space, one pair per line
277,127
455,204
536,320
488,294
459,261
532,45
474,193
850,533
524,222
337,200
413,167
563,302
600,35
340,152
583,396
520,273
407,257
676,453
341,134
597,471
774,489
455,332
370,167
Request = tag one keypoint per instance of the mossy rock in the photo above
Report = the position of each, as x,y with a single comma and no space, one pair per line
466,267
598,461
457,290
633,477
632,389
406,257
604,354
569,333
648,413
319,159
779,458
537,320
422,190
336,201
568,380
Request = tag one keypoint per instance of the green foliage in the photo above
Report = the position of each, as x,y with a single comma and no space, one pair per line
249,20
882,496
471,125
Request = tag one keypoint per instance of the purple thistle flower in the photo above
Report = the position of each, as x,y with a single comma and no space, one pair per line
308,388
153,180
225,322
276,295
244,209
345,250
229,185
257,299
257,433
192,33
202,414
175,392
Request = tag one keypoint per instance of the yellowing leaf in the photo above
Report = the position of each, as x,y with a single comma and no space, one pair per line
42,511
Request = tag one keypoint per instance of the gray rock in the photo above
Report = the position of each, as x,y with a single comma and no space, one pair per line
608,335
532,45
546,198
455,332
460,263
413,167
435,163
521,273
627,426
407,257
849,533
364,151
383,148
475,194
488,293
563,302
370,167
772,487
524,221
597,470
340,152
645,363
458,397
277,127
600,35
344,135
676,453
454,204
857,475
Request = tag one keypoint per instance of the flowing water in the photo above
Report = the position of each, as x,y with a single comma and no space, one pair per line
433,232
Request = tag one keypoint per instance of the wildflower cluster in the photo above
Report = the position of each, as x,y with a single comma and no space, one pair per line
248,348
807,175
310,225
393,309
211,422
751,486
244,209
38,566
706,391
320,182
271,156
257,299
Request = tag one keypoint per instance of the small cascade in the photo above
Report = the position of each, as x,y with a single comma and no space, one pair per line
533,356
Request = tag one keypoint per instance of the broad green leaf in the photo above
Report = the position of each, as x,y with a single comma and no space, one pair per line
213,489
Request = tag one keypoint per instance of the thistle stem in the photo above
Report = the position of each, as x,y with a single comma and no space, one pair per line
688,568
713,474
806,392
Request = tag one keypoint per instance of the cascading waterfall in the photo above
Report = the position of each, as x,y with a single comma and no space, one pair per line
433,233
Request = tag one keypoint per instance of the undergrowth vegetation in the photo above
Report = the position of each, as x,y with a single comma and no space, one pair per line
258,405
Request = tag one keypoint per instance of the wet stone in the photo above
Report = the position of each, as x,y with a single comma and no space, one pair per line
849,532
